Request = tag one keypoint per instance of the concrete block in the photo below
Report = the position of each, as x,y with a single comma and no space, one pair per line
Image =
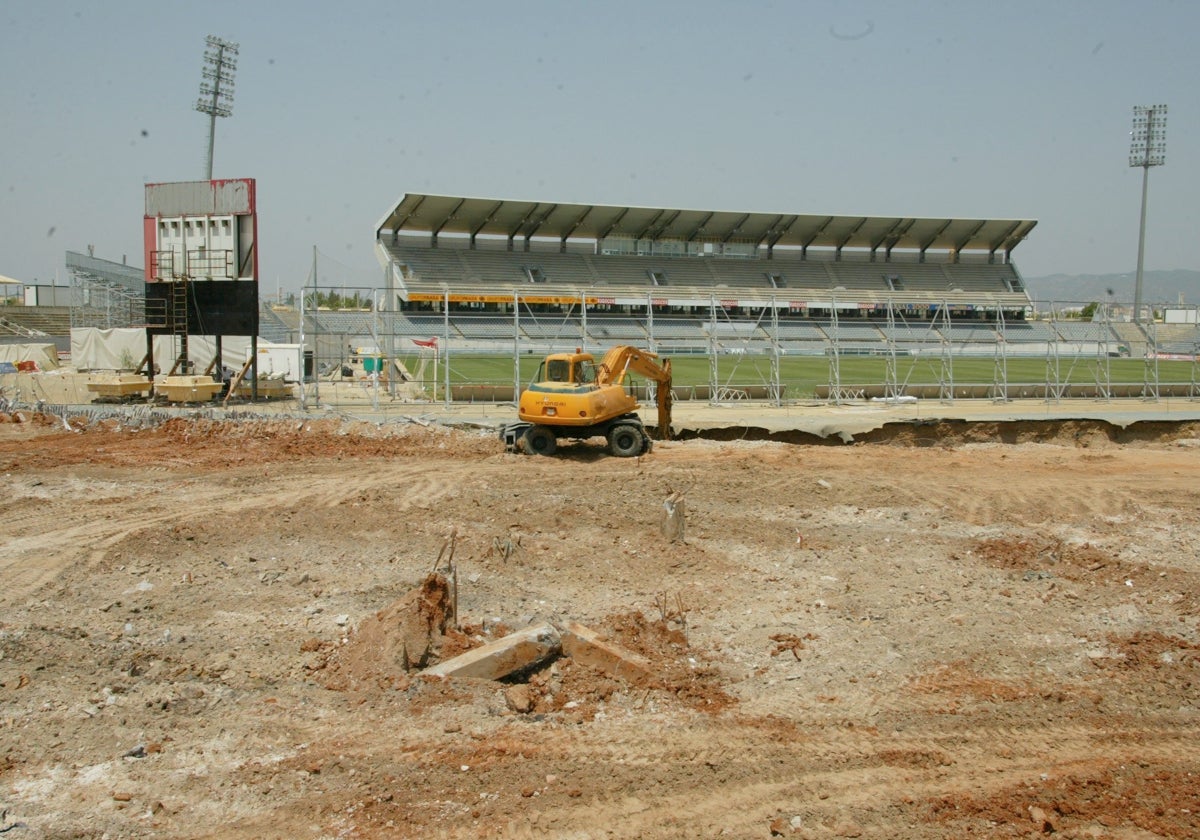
585,646
119,387
496,660
180,389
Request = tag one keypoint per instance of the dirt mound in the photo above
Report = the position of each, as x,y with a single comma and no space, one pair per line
416,631
219,445
944,433
403,637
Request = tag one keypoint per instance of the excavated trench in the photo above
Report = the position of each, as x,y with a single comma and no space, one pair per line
942,432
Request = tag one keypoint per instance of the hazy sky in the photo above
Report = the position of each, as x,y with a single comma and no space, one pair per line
941,109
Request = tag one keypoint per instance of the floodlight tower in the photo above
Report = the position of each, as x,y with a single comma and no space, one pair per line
216,87
1147,147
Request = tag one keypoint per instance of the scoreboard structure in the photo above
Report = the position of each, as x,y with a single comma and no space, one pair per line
201,258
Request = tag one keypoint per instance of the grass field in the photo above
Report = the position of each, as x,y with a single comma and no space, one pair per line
801,375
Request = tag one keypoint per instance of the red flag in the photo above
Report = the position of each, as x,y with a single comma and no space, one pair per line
430,343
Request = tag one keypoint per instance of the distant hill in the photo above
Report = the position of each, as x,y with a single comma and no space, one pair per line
1157,287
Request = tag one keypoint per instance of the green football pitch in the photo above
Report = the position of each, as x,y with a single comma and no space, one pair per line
801,375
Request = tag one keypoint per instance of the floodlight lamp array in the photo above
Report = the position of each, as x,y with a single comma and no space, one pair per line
223,107
219,45
1148,139
216,91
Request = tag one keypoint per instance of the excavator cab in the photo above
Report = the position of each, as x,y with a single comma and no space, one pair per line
567,370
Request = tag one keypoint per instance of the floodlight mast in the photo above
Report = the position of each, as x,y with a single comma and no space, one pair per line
1147,147
216,88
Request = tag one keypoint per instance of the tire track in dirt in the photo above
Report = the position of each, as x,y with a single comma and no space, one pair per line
832,774
1052,487
417,485
39,545
698,777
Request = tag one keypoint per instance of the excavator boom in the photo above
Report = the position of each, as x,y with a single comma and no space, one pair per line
618,361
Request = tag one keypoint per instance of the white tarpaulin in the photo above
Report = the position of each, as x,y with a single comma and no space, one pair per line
96,349
124,349
279,360
45,355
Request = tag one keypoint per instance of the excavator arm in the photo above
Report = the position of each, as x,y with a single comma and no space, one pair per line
620,360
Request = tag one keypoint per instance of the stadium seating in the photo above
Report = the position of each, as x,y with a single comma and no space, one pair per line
970,332
1028,331
607,329
1083,331
702,287
432,269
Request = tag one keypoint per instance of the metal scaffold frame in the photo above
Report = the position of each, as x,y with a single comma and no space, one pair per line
105,295
1104,355
1194,389
776,384
756,351
835,355
1000,360
946,371
891,375
1150,363
1054,387
714,367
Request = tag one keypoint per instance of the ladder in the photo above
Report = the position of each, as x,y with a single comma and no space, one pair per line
177,321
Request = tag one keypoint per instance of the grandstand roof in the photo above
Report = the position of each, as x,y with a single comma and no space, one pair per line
461,215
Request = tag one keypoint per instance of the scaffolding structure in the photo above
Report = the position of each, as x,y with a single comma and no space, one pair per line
751,355
107,295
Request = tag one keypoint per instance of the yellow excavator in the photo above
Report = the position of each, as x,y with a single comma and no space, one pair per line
573,396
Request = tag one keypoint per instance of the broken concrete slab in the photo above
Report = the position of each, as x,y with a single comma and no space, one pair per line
587,647
508,655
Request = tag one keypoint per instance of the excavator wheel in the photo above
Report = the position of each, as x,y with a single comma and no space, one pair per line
539,441
626,440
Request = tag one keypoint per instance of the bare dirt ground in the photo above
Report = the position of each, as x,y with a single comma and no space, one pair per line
933,635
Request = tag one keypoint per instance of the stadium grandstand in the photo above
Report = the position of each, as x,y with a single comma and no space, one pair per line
680,279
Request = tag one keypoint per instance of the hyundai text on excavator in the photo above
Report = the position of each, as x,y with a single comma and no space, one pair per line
573,396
